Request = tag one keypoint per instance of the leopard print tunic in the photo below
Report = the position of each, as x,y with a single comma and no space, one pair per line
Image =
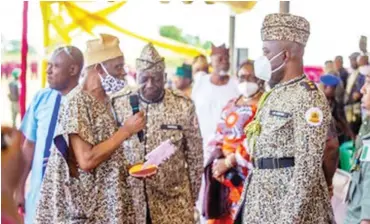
99,196
296,194
171,194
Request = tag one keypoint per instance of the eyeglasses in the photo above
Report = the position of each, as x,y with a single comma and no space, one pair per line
67,50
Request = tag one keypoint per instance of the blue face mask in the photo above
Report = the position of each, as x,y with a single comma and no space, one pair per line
110,83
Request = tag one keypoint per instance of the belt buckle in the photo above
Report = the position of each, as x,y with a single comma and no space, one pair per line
275,161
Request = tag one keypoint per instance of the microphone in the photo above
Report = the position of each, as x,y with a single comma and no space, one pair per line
134,102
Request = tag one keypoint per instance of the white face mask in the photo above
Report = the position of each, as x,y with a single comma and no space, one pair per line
223,73
248,89
263,69
81,80
364,70
110,83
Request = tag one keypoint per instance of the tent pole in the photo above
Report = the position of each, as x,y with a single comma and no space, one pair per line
24,52
232,44
284,6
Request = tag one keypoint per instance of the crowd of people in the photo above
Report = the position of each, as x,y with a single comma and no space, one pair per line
8,68
260,146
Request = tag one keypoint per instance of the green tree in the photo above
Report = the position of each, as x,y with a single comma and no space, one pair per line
15,47
171,32
175,33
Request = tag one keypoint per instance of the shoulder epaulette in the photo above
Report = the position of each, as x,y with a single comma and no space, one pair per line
309,85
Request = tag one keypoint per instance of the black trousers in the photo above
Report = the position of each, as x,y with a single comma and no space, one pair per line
148,218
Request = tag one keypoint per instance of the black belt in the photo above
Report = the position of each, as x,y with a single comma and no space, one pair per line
274,163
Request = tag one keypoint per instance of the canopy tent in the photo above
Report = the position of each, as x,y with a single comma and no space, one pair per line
86,21
54,15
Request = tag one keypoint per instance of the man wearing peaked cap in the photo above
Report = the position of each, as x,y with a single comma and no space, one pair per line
169,196
288,135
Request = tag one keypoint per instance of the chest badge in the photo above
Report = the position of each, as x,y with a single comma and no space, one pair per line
314,116
365,155
231,120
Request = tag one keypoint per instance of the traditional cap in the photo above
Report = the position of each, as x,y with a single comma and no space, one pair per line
150,60
354,55
219,50
330,80
16,73
102,49
284,26
184,71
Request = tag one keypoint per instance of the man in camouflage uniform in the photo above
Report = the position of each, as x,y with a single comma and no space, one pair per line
359,191
288,136
169,196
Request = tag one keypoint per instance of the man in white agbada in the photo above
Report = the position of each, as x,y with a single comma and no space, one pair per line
210,94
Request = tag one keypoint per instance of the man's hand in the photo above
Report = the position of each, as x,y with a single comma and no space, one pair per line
219,168
365,222
135,123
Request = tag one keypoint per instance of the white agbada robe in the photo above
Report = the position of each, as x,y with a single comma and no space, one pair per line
209,100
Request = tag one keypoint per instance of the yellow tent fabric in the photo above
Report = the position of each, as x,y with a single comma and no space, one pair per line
236,6
76,13
86,20
240,6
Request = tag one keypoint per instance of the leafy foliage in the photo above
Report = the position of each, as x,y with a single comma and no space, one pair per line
175,33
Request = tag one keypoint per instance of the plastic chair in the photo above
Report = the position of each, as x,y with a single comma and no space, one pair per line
346,151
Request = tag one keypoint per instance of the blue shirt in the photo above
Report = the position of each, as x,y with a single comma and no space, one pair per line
35,126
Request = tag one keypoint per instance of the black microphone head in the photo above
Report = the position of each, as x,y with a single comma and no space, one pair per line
134,101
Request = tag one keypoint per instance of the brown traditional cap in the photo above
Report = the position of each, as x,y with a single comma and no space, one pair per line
102,49
150,60
285,26
219,50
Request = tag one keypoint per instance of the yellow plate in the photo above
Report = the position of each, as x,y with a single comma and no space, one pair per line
138,171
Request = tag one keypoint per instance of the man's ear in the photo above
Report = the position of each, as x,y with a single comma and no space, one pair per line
75,70
99,69
287,56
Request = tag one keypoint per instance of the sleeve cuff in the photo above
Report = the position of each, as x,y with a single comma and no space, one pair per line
28,134
365,212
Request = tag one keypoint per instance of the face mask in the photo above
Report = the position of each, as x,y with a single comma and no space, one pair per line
248,89
82,79
364,70
110,83
263,69
223,73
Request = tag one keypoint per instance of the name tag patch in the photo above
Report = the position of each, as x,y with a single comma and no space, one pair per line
365,155
279,114
171,127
